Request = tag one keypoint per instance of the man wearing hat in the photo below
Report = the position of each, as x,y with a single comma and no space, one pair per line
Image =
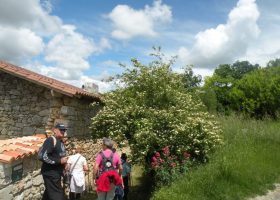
54,160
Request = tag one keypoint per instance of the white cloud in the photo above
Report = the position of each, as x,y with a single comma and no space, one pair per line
77,80
19,44
102,86
69,50
104,44
128,22
25,25
267,47
22,27
226,42
28,14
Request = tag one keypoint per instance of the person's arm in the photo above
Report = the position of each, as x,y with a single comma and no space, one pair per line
48,148
95,169
120,168
68,165
85,166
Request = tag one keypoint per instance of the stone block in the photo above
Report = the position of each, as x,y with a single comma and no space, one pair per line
37,180
36,120
67,110
19,197
28,130
6,193
44,112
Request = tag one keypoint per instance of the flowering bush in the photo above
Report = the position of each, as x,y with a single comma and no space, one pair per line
168,167
153,110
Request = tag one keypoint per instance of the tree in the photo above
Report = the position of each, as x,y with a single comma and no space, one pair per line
274,63
153,111
258,93
190,80
224,79
241,68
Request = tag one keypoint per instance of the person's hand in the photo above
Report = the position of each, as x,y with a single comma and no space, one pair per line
63,160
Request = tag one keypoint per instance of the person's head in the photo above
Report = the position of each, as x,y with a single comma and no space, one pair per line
59,130
107,143
124,156
78,149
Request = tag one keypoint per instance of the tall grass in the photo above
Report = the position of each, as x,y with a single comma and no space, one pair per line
246,165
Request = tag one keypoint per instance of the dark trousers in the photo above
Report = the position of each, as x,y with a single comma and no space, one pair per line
126,187
74,196
53,188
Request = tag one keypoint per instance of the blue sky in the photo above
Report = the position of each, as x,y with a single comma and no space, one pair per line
83,41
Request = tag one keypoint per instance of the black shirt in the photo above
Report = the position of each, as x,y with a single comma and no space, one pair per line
51,157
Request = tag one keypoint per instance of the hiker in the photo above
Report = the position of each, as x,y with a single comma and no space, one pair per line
125,175
76,167
54,160
109,166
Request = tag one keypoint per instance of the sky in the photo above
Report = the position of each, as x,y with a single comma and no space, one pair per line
84,41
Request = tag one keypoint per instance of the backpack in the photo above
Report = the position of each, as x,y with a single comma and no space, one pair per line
40,151
107,163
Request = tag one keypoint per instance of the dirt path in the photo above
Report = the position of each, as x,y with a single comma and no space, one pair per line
271,195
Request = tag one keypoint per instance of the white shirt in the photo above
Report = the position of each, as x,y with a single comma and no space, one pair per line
79,165
77,184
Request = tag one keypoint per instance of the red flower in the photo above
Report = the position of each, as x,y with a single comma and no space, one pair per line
186,155
155,164
154,159
157,155
173,164
166,151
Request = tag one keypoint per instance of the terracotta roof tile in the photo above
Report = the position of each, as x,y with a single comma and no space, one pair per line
15,154
12,149
45,81
6,158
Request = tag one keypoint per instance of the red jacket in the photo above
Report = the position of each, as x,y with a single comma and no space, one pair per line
103,182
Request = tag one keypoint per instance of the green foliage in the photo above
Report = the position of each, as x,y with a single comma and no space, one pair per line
154,110
274,63
224,79
237,70
190,80
208,97
257,94
167,167
222,87
245,166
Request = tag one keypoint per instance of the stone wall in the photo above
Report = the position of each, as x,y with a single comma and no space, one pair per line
29,187
27,108
75,113
24,107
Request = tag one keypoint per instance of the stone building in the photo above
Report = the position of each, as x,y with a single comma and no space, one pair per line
30,105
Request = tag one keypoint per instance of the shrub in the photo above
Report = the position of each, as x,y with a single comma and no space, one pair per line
167,167
152,110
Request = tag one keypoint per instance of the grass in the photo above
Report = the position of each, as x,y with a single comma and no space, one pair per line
245,166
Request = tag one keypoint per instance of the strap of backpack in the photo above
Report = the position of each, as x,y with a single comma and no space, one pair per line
75,164
54,140
103,160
